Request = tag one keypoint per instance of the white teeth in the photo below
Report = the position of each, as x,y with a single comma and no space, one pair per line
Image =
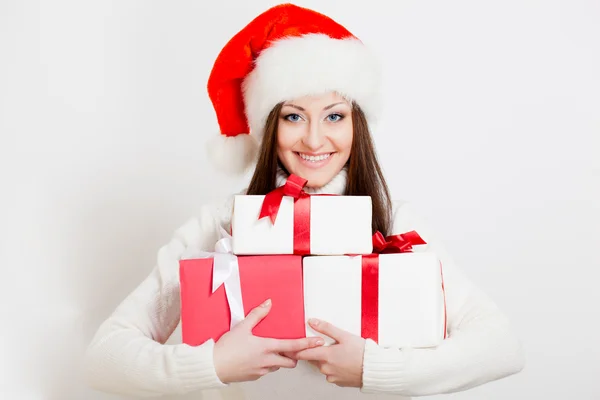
315,158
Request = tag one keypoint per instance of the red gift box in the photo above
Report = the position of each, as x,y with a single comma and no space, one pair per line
206,315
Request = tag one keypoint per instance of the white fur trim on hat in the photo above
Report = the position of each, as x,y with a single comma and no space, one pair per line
310,65
233,154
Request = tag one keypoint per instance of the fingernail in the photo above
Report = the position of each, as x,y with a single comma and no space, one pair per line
313,321
320,342
267,303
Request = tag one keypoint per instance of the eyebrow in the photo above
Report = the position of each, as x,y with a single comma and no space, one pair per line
324,109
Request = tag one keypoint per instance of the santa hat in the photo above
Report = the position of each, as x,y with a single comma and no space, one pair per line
284,53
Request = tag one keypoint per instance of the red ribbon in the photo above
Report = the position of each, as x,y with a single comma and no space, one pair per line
294,187
369,327
401,243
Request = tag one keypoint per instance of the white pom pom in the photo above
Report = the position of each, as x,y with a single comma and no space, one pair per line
233,154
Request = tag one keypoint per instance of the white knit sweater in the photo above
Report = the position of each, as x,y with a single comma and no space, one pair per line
128,356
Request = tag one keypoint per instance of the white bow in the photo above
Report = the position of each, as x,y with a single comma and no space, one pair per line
226,271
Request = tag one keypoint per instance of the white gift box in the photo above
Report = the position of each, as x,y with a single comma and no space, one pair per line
338,225
411,297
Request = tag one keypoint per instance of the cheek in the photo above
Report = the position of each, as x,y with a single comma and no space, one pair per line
348,142
343,140
285,138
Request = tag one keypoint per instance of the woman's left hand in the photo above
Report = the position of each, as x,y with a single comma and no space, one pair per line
340,362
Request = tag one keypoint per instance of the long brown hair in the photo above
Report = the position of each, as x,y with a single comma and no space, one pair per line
365,177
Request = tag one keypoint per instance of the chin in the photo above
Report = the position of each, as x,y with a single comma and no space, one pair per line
316,179
315,184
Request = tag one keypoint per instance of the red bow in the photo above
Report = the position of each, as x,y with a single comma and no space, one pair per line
294,187
401,243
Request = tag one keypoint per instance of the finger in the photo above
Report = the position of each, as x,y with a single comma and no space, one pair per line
325,369
289,354
277,361
293,345
256,315
315,354
328,329
265,371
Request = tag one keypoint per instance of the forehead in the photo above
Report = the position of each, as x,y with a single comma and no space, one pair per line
318,100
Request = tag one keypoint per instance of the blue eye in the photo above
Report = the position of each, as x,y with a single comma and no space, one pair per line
292,117
335,117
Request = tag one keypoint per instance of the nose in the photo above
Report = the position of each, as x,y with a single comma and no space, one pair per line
314,138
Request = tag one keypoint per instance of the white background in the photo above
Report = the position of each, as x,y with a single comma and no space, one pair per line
491,128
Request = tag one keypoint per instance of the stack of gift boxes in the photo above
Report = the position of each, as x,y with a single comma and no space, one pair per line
314,256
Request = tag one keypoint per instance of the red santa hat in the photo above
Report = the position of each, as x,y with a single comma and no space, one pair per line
284,53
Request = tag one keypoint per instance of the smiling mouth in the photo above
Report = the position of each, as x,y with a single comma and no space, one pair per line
315,158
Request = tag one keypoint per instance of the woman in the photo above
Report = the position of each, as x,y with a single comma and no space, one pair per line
295,92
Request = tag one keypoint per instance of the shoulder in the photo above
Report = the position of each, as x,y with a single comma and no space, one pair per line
405,217
201,231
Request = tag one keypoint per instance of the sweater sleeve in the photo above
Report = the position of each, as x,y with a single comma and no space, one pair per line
128,354
480,347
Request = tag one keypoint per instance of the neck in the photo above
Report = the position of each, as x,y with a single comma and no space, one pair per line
337,185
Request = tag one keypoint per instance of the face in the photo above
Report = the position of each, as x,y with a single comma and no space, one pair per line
314,137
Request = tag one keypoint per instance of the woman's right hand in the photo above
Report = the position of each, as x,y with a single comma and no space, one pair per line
240,356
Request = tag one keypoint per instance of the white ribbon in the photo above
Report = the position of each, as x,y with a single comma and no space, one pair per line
226,271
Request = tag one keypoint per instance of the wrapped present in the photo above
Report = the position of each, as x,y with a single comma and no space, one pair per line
395,296
219,289
290,221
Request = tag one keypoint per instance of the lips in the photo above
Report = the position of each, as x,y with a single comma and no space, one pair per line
315,158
